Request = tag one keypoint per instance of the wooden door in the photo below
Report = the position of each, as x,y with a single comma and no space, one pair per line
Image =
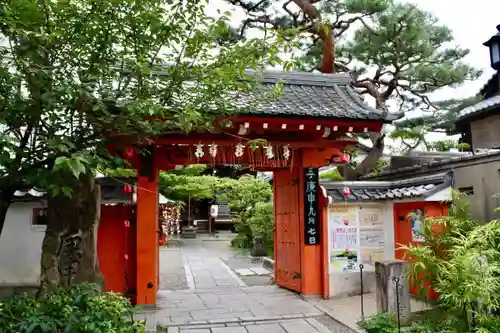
404,236
287,234
116,249
402,226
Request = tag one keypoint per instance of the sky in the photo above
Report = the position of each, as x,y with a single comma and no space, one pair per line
472,23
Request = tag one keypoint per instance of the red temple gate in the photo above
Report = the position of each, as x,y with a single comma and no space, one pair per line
307,127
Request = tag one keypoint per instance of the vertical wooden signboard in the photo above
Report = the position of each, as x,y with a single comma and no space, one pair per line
311,209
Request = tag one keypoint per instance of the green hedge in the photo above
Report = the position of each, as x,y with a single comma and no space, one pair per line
82,309
256,222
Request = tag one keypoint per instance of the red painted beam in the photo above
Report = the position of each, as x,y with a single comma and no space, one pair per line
309,124
183,155
167,157
292,139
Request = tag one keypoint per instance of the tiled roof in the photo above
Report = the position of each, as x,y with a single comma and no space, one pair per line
491,86
434,166
29,194
413,188
480,107
491,99
316,95
111,189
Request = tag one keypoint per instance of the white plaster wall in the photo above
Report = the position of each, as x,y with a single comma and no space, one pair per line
349,283
390,245
20,247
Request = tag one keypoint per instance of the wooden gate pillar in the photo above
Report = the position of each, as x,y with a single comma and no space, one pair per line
299,266
314,258
147,232
311,264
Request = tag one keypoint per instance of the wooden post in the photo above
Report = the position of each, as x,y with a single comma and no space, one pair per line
147,239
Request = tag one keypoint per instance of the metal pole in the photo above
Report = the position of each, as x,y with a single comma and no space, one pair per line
396,280
473,316
361,266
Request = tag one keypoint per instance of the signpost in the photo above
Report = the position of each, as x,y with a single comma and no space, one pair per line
311,209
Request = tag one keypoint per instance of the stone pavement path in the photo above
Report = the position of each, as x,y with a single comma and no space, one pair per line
172,271
216,300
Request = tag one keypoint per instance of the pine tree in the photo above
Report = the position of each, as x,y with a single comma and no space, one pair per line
398,56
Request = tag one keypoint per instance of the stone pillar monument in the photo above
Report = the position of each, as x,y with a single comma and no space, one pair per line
393,286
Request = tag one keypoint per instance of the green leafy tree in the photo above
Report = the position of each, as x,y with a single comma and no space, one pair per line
248,197
74,74
182,184
413,133
250,202
398,56
331,175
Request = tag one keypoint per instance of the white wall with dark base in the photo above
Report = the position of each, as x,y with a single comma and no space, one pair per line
20,247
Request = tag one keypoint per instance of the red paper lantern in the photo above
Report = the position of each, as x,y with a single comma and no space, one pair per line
129,152
127,224
127,188
346,191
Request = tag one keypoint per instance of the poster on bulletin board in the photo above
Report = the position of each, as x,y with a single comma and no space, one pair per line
369,257
342,215
343,232
371,237
371,217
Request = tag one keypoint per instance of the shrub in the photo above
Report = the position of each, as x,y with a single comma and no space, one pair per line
461,259
380,323
427,322
80,309
250,202
256,222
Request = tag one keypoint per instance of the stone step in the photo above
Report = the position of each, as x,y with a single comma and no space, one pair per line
188,232
252,271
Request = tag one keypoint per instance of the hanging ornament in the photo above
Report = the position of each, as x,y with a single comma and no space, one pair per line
346,158
346,191
239,150
129,152
199,153
213,150
269,151
171,219
127,188
286,152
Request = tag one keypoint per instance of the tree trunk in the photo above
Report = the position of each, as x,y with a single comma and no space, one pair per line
6,195
69,249
349,173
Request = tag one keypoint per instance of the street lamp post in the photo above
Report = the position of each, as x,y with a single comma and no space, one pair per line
494,45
